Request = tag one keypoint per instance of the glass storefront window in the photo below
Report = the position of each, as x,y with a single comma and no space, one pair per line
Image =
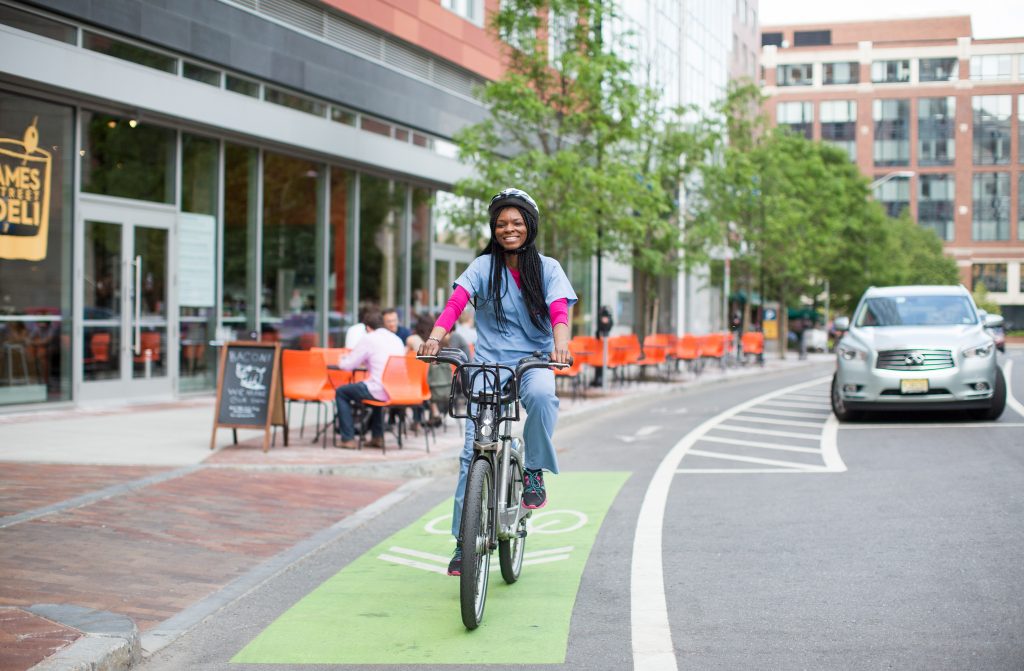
381,212
339,277
241,210
36,150
420,251
290,252
127,158
200,158
102,301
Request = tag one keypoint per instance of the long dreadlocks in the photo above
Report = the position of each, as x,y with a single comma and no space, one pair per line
531,273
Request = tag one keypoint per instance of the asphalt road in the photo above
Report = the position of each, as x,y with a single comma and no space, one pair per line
788,542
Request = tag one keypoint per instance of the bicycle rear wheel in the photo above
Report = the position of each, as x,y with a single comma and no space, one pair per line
510,552
476,554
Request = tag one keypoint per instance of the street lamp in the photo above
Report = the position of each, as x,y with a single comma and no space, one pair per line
892,175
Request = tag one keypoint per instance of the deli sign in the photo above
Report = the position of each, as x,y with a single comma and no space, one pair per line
24,197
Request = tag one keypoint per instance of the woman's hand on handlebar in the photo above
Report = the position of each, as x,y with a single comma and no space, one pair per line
430,347
561,355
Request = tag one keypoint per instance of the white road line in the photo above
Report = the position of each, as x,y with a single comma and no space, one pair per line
805,397
647,430
783,422
651,634
934,425
768,432
1010,400
413,564
740,471
541,553
796,406
544,560
756,443
755,460
830,446
421,555
787,413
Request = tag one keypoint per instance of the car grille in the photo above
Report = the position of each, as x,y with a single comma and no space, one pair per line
900,359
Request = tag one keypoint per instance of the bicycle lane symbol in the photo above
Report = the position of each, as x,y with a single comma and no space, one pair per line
546,522
543,522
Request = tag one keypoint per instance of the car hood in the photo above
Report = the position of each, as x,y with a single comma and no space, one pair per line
953,337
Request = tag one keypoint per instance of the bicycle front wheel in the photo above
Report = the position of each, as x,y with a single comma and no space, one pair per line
510,552
476,552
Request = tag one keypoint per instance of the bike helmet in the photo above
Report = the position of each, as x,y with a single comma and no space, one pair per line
516,198
513,198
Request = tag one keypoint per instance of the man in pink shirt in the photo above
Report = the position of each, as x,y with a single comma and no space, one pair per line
371,353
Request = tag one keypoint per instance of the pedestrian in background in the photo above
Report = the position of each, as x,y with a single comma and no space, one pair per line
371,353
604,328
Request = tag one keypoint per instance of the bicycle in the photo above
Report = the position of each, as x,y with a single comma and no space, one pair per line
492,511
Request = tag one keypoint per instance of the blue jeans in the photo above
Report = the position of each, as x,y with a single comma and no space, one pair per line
537,394
344,397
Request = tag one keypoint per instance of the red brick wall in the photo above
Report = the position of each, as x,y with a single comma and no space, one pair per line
430,26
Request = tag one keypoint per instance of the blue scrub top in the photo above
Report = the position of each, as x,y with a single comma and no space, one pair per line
522,338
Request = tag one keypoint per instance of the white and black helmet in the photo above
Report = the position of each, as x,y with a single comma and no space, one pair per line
513,198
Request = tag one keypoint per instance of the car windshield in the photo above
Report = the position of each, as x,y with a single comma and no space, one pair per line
916,311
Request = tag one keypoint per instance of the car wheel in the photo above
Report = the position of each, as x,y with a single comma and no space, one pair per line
998,399
842,413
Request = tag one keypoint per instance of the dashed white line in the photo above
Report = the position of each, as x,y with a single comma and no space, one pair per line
797,406
757,443
755,460
783,422
786,413
412,563
769,432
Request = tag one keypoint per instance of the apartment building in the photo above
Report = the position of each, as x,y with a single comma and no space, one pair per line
932,115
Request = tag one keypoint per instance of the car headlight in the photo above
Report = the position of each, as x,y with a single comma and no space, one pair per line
979,351
850,353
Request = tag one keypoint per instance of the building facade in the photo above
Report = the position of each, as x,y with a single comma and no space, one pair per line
933,116
177,174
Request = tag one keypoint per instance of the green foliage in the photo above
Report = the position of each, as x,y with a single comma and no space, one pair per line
982,300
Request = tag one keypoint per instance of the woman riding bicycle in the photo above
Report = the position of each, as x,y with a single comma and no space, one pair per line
522,302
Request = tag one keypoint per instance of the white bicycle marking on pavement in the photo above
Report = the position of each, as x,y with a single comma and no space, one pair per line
650,631
432,563
573,520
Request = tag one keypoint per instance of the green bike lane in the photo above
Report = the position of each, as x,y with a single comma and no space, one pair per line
395,605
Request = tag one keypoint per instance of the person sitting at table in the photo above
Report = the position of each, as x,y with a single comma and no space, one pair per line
391,324
371,352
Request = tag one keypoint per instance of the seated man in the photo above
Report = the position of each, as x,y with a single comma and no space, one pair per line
371,353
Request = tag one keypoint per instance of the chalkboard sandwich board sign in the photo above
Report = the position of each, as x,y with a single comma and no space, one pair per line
249,390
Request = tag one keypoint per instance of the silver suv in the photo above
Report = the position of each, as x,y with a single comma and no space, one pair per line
917,348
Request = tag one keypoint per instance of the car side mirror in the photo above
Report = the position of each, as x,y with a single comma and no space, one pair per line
841,324
991,321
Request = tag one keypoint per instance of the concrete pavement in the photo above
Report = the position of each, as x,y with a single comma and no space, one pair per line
121,529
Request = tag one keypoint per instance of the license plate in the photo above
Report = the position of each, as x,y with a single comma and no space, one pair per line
913,386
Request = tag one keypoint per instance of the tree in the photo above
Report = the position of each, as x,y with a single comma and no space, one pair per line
569,123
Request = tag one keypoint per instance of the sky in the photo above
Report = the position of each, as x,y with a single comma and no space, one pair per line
989,18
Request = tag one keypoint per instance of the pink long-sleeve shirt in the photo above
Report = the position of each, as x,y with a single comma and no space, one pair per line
558,310
372,352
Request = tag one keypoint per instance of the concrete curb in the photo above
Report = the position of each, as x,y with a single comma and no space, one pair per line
111,641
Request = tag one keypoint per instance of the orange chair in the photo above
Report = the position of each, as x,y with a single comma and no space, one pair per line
752,343
712,346
148,341
657,347
305,380
99,348
331,356
405,381
688,350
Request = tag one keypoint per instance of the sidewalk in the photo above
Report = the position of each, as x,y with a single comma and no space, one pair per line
120,529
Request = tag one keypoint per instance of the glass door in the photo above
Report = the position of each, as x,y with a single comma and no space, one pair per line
128,349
